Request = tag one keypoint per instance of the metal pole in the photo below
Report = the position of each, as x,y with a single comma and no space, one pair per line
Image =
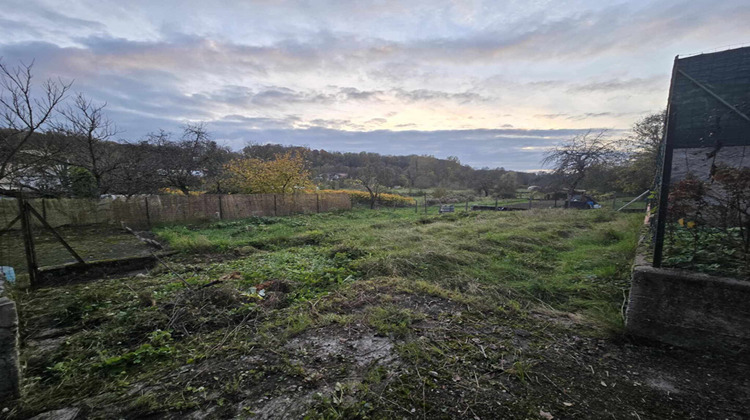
634,200
666,170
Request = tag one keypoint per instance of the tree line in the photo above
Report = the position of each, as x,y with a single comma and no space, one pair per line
58,144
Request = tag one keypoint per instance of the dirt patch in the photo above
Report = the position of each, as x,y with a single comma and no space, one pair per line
289,406
360,350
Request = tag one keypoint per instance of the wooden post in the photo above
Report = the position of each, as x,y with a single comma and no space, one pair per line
425,203
274,205
221,209
317,203
55,234
185,208
496,203
148,213
614,201
467,205
529,203
416,206
28,241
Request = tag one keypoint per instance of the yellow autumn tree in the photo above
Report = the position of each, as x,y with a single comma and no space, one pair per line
285,174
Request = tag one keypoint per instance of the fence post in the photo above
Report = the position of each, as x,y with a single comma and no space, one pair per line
221,209
28,241
467,205
148,213
317,203
274,205
185,208
614,201
425,203
496,203
416,206
529,203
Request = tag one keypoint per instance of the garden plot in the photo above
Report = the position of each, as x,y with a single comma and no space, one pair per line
377,314
92,243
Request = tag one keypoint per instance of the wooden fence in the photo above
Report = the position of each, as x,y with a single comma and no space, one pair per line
145,211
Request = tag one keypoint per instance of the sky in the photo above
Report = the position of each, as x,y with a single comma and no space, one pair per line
494,83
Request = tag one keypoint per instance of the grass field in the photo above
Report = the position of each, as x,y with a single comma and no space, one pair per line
368,314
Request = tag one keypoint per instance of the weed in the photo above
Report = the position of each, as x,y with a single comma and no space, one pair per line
521,369
391,320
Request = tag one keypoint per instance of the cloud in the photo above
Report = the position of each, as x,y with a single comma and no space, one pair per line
327,74
633,84
551,116
432,95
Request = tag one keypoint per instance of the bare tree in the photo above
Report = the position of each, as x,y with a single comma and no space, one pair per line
137,172
85,124
190,161
374,176
23,113
574,159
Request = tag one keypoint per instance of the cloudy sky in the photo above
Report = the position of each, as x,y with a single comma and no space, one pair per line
492,82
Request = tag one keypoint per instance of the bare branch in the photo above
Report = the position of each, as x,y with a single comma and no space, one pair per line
22,111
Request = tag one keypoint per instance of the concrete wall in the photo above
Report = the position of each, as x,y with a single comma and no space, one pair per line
9,368
690,310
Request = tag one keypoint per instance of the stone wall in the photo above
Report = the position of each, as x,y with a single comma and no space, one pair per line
9,368
689,309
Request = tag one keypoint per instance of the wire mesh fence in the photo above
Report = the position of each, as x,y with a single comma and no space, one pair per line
703,218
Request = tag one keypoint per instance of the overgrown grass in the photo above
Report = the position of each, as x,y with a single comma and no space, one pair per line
572,260
280,278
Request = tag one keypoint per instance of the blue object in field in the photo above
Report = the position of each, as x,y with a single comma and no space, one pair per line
8,273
